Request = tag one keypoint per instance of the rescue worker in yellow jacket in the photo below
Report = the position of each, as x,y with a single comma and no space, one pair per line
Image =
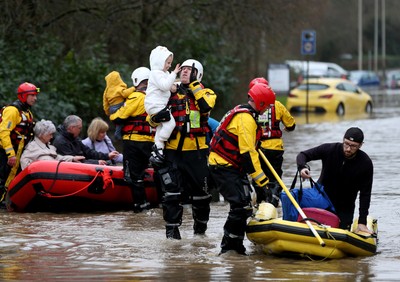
114,97
137,137
16,130
234,156
272,144
184,173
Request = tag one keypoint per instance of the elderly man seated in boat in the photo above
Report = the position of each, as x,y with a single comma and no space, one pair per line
41,149
68,142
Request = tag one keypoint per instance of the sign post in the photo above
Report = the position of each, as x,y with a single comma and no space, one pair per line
308,42
308,47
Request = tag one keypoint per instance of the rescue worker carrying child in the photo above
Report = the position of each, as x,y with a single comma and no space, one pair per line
184,173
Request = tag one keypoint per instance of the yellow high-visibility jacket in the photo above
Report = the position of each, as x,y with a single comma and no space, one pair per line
244,126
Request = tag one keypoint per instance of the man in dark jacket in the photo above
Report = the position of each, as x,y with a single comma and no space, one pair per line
68,142
346,171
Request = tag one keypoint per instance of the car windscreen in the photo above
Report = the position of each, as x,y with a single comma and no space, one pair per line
313,86
355,75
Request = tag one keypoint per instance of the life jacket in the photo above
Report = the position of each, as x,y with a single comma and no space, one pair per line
225,143
25,128
187,116
269,124
138,125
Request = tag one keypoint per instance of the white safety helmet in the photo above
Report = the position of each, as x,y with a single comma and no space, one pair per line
197,66
140,74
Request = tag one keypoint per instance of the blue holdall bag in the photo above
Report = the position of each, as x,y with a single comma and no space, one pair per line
313,197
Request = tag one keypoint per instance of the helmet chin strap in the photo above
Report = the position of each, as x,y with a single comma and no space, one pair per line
24,105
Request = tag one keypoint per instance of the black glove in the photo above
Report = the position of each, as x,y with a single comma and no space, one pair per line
193,74
263,194
161,116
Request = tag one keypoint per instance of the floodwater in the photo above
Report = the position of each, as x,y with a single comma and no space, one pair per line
123,246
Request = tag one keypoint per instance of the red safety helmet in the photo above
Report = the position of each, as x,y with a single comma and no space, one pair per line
262,95
26,89
258,80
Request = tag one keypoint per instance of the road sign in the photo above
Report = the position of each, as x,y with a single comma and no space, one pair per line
278,77
308,42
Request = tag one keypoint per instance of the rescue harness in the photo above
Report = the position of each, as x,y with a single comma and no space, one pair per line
269,124
23,130
225,143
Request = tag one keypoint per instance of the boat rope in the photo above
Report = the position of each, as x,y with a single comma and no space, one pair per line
329,236
107,183
311,219
107,179
55,177
48,195
15,168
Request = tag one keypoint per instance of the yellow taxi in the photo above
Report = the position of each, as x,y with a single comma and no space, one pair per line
331,95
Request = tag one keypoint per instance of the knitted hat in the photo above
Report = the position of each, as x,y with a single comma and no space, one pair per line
354,134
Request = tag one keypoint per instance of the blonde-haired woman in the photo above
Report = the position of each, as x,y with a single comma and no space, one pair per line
98,140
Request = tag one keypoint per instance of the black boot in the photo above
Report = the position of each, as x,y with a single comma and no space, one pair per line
232,244
201,214
141,207
199,228
172,232
140,202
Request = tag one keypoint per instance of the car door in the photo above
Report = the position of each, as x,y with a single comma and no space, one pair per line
354,98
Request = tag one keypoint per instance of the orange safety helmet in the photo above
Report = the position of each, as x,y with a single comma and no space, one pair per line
258,80
26,89
262,95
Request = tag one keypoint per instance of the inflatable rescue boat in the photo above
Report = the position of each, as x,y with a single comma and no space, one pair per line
291,238
69,186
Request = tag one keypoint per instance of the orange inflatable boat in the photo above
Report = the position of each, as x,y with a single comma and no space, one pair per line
68,186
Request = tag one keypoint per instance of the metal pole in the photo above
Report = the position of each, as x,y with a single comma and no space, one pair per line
307,90
360,29
383,32
376,32
369,60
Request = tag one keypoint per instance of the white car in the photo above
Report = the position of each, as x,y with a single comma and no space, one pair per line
314,69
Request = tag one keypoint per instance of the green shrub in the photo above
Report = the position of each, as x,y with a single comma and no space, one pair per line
69,83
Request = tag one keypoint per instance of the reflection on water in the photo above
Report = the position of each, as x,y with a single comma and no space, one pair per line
123,246
306,118
312,117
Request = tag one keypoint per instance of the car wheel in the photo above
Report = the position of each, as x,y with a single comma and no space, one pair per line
368,108
340,109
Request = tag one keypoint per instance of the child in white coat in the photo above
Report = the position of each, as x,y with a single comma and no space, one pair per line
158,92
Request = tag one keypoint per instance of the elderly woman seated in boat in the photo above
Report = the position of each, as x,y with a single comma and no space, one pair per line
41,149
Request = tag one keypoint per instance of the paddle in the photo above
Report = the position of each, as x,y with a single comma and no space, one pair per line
322,243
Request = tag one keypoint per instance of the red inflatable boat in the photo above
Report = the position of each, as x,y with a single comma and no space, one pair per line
68,186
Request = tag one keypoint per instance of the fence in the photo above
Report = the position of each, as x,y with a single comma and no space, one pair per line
386,98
